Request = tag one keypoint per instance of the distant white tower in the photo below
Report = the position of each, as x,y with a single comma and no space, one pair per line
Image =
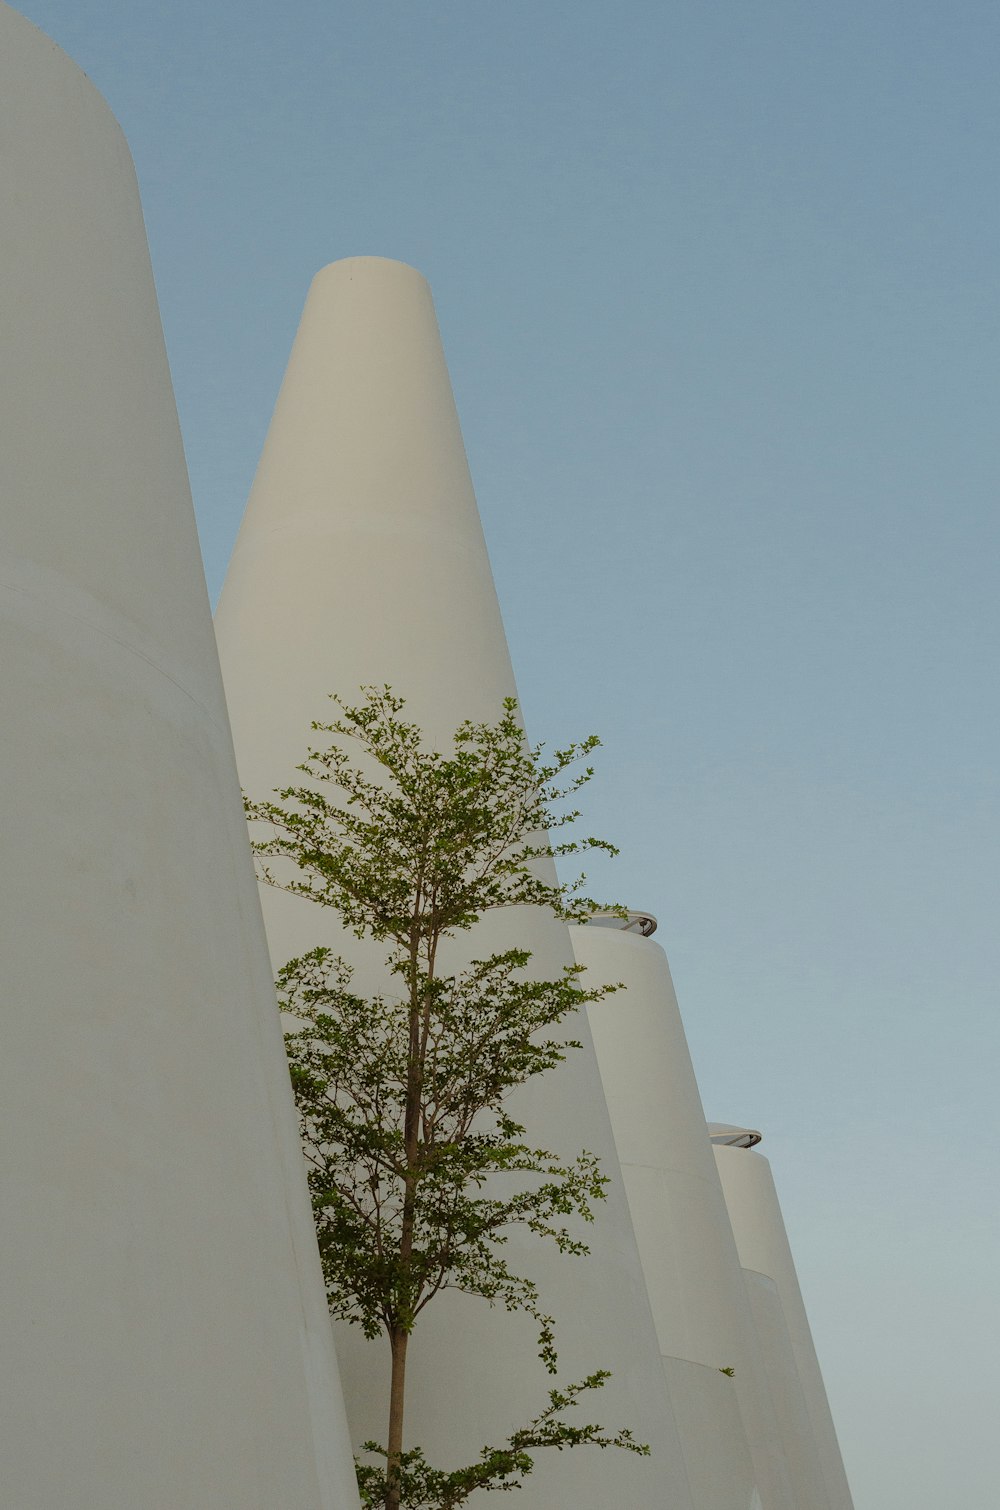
729,1434
164,1335
361,559
808,1432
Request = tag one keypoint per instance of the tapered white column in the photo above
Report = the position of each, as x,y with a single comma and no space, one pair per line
729,1434
361,560
162,1320
783,1329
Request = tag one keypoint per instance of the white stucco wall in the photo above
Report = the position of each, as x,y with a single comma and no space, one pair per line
162,1323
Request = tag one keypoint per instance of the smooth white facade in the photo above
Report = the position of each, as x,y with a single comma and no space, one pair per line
797,1385
361,559
164,1336
729,1435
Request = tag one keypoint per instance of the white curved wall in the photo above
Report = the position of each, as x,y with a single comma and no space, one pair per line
361,559
165,1341
729,1434
783,1328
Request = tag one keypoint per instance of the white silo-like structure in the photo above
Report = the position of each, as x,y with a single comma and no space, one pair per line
732,1446
810,1438
361,560
164,1332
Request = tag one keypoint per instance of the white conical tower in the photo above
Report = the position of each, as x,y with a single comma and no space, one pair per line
782,1324
729,1434
162,1317
361,560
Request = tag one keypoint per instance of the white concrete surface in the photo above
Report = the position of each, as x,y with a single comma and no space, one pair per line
162,1324
361,559
729,1433
783,1328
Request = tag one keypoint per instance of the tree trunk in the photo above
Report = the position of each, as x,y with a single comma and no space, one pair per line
398,1340
398,1336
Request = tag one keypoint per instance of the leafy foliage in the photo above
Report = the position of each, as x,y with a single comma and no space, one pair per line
351,1073
499,1468
417,1170
436,842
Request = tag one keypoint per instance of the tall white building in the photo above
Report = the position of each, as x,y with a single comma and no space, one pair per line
785,1341
714,1252
361,559
162,1314
730,1439
163,1324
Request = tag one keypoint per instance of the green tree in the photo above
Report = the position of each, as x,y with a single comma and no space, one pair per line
402,1096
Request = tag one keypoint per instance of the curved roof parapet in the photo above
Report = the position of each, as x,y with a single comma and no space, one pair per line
631,922
733,1137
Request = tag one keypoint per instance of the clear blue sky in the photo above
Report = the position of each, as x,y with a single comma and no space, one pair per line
718,284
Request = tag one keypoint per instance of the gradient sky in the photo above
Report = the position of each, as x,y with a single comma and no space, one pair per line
718,285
